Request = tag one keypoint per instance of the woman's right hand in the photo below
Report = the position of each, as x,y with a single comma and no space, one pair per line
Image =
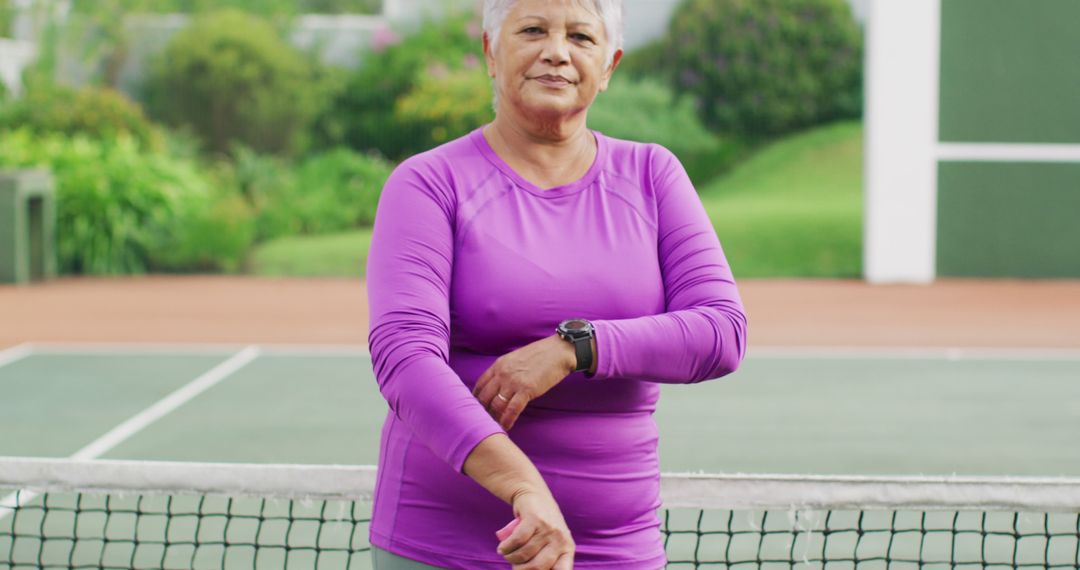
541,540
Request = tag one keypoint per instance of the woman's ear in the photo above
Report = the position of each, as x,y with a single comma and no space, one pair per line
611,70
489,57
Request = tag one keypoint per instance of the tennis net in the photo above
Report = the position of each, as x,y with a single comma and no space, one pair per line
118,514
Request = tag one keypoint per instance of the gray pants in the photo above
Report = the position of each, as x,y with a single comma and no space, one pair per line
383,560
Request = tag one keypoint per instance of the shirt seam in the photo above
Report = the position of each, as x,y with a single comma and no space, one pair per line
652,224
401,469
468,223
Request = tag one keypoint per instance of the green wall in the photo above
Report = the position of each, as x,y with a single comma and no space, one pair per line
1010,71
1008,219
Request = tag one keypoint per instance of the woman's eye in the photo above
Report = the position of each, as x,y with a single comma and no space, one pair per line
532,30
582,37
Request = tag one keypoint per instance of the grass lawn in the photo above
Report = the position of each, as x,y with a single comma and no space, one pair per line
794,209
334,255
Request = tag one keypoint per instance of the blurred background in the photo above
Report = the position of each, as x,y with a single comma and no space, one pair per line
253,137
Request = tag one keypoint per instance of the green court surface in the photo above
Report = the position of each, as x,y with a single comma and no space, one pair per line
836,412
1007,413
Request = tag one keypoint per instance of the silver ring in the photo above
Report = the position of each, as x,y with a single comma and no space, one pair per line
503,397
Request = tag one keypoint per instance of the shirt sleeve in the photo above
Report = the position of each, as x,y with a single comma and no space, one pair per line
408,281
702,334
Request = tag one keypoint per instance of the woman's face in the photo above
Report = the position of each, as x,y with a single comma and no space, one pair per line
550,58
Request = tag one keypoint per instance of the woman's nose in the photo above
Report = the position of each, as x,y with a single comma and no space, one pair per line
556,49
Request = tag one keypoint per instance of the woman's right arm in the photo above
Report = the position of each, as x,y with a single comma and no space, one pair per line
504,470
408,280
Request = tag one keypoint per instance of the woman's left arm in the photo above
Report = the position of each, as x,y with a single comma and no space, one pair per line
703,333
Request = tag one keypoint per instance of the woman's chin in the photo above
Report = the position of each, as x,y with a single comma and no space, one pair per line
550,108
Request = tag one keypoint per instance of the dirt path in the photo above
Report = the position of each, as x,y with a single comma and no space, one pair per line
215,309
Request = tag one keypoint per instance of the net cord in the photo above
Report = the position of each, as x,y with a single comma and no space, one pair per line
697,491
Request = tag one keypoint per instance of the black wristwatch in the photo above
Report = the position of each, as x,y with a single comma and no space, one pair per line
579,332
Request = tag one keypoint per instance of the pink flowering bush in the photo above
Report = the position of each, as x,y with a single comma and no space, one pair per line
766,67
382,105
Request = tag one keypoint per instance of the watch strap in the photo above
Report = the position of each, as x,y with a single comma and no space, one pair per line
583,349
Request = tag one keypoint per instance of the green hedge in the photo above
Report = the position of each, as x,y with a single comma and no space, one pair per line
449,103
363,114
7,17
646,109
232,79
328,192
264,7
124,209
93,111
766,67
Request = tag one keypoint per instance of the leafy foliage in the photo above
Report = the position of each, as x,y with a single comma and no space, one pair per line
262,7
449,102
647,110
125,209
94,111
765,67
329,192
363,114
232,79
7,16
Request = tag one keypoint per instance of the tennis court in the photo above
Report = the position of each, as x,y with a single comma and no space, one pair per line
797,411
786,411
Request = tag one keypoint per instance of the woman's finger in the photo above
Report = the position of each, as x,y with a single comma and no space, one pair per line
510,413
526,552
565,562
493,399
481,382
544,558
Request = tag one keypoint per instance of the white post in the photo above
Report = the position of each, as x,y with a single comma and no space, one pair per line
901,121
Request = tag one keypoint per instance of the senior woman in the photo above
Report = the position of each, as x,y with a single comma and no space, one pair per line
531,285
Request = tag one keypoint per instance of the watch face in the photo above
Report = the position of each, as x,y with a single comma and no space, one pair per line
576,324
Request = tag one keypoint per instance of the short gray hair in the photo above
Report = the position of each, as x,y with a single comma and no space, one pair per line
610,12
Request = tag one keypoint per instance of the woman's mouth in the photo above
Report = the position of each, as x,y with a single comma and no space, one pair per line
553,81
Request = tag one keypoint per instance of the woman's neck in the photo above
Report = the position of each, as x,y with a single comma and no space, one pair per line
556,153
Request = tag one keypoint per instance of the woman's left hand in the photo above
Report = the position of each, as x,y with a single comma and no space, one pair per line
523,375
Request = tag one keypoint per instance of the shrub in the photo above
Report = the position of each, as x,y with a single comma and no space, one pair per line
262,7
124,209
647,110
216,236
450,103
765,67
264,181
93,111
231,79
332,192
329,192
362,115
7,16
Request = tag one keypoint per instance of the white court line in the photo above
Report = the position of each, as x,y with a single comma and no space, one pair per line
756,351
15,353
198,349
139,421
915,353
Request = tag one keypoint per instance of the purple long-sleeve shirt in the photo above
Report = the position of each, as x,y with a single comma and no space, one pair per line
470,261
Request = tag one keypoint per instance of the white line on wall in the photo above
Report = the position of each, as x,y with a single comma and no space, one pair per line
1002,152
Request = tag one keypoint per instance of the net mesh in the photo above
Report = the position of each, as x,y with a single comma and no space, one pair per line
871,539
77,530
146,516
